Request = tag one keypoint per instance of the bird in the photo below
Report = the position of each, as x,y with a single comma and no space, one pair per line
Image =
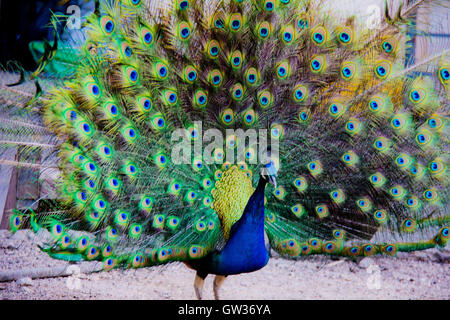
212,133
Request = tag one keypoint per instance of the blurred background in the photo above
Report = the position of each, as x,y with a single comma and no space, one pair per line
25,21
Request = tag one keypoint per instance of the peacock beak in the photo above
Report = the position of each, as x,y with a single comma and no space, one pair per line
273,180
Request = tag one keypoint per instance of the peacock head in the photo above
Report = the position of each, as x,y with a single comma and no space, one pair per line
269,169
269,173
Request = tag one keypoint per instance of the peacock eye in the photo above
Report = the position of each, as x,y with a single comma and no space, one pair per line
184,5
185,32
86,128
95,90
214,51
113,109
132,74
304,116
148,37
264,32
219,23
344,37
287,36
415,95
163,72
445,74
315,64
109,26
128,51
303,24
381,71
387,47
347,72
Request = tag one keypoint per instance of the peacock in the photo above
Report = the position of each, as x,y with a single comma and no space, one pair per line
215,132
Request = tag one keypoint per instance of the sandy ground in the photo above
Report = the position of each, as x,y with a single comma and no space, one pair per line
423,275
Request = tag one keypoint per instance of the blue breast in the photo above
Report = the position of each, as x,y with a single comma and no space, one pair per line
245,250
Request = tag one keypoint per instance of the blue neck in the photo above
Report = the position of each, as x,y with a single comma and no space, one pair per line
245,250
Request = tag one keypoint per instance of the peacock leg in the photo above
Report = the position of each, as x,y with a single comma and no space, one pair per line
218,281
198,285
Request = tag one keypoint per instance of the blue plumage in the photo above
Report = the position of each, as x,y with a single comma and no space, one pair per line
245,251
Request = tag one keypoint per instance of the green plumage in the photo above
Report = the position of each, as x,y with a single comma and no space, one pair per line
363,143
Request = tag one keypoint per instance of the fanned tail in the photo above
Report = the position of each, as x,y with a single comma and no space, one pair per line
361,131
